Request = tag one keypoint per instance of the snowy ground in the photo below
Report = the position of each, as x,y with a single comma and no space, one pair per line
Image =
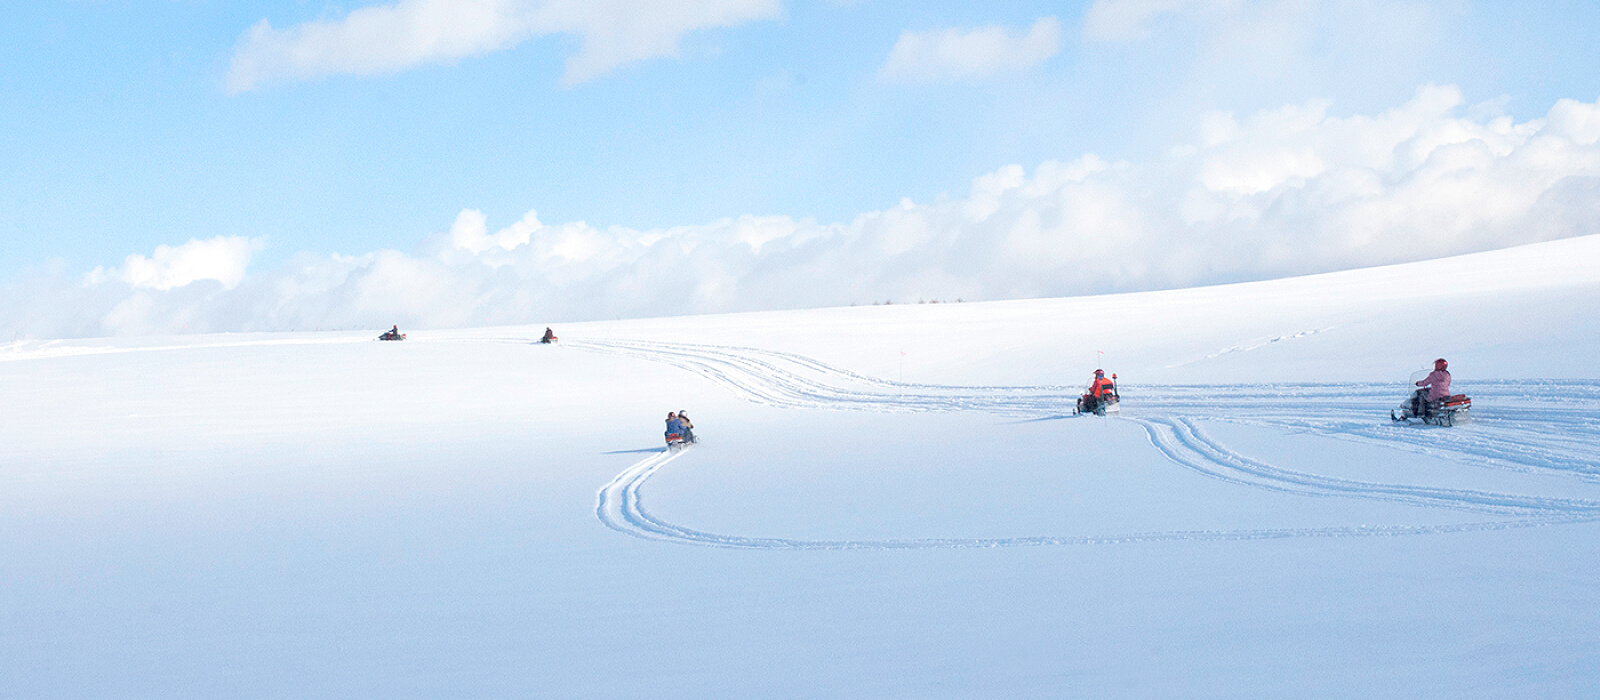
889,502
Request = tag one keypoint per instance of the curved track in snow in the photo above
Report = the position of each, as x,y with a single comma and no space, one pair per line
1542,435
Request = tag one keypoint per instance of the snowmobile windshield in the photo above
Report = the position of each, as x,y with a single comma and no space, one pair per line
1420,375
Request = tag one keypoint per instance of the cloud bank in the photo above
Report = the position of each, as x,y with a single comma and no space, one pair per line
410,33
1279,192
959,54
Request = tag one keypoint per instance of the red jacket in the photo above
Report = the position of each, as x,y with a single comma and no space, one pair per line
1101,386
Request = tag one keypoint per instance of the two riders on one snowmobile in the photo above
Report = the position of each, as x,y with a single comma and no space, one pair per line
1101,395
680,431
1433,403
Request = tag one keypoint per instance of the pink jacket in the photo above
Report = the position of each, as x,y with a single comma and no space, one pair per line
1438,383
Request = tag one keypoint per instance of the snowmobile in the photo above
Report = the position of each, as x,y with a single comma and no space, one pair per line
676,442
391,335
1106,403
1446,412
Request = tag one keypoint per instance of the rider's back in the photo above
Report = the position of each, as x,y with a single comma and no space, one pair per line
1438,384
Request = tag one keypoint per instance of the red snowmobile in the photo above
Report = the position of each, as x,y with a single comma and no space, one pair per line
1447,411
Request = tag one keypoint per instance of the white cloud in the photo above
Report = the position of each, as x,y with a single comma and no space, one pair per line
1279,192
391,38
957,54
222,259
470,232
619,32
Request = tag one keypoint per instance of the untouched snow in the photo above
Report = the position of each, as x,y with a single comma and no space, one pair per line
888,502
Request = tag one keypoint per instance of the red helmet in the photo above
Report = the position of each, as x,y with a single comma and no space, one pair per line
1099,372
1440,364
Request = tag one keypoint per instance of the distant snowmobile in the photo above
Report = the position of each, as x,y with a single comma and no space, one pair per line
1444,411
392,334
1102,396
549,337
675,442
678,432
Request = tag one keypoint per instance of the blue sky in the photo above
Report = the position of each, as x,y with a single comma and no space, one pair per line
126,129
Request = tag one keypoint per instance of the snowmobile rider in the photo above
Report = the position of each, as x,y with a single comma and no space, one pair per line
1099,388
688,426
1434,387
673,424
549,336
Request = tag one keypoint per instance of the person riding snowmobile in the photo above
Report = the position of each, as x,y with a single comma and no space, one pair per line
1433,403
1435,386
549,336
1100,388
674,433
688,426
391,334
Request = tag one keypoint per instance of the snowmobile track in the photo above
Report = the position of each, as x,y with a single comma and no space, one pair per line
1556,437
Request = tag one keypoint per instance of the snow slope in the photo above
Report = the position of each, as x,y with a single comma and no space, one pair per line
888,502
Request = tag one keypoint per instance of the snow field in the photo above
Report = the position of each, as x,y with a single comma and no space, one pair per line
471,514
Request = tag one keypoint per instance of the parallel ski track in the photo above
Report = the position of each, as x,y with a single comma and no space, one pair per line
1553,430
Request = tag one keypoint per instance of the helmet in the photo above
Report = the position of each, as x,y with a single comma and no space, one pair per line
1099,372
1440,364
